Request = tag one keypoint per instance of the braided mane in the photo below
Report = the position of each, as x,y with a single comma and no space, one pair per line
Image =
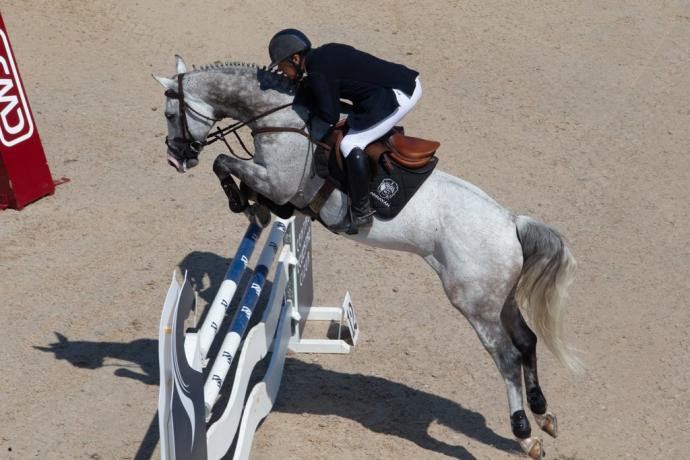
278,80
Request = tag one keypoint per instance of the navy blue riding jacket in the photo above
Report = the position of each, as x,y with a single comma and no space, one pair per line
336,71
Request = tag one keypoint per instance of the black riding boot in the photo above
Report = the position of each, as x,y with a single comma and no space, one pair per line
358,176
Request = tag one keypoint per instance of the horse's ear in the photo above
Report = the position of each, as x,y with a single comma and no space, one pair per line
181,67
166,82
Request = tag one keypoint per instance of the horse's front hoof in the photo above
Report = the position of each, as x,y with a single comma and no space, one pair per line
258,214
548,423
533,447
263,215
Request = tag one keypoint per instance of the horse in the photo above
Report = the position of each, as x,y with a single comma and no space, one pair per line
490,261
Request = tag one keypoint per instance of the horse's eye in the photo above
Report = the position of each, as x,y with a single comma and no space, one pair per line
169,116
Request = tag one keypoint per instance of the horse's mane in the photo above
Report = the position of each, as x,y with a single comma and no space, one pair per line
267,78
224,65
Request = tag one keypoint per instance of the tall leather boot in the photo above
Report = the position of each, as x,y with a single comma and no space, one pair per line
358,176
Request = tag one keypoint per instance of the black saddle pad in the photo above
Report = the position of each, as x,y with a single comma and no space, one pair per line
390,191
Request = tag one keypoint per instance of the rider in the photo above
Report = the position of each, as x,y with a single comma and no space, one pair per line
381,93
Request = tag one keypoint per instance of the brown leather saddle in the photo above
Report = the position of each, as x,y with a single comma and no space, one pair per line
409,152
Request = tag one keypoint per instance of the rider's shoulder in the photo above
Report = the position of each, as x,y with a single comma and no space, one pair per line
328,57
331,48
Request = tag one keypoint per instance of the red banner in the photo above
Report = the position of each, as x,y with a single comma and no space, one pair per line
24,172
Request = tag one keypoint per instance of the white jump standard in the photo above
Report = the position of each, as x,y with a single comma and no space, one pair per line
186,402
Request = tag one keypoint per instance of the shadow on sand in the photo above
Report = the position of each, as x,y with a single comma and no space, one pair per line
381,405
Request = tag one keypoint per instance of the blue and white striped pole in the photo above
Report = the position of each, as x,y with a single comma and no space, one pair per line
227,289
232,340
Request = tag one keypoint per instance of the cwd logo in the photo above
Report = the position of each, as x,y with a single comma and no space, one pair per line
16,124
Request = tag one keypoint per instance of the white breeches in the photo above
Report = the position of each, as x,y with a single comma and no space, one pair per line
362,138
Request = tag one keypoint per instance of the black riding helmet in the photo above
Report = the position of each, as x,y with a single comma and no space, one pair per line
286,43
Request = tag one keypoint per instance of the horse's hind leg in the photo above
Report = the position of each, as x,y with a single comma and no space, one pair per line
485,317
526,342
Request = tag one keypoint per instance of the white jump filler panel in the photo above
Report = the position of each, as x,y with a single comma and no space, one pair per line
187,399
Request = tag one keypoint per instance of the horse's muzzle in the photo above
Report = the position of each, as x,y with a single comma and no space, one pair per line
182,153
176,163
181,165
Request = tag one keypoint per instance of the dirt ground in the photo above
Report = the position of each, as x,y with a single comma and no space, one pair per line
574,112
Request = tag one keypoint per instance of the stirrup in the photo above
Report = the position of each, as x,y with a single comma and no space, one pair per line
368,215
364,220
348,225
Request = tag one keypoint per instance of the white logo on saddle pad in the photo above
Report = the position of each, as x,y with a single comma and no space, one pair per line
387,189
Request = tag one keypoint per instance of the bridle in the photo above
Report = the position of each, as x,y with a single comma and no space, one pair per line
191,147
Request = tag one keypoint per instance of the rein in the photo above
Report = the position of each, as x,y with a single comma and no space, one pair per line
220,133
281,129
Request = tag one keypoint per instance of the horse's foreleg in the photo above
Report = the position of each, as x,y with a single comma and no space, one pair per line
254,175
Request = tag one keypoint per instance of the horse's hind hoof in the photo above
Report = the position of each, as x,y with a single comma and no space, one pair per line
548,423
533,447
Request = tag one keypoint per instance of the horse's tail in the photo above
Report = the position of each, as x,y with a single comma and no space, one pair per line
547,271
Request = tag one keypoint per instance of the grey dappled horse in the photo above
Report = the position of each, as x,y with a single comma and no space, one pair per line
489,260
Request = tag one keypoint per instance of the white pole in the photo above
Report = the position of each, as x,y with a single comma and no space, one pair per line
238,327
227,289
